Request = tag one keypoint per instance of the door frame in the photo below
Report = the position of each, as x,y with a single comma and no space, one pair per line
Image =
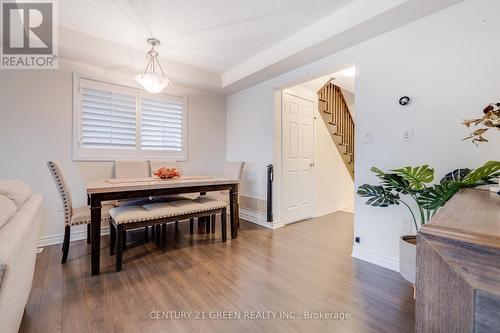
311,97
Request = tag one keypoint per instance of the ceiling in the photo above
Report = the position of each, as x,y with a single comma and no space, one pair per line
211,34
340,79
225,45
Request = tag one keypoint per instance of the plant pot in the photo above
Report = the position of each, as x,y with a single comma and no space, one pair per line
408,257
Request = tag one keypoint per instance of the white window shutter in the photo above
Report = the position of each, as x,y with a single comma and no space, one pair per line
162,124
112,122
108,117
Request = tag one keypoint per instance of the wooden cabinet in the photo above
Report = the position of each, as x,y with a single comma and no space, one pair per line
458,266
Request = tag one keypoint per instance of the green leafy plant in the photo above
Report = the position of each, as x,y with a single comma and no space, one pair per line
415,183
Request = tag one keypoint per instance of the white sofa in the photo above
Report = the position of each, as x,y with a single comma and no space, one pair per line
20,216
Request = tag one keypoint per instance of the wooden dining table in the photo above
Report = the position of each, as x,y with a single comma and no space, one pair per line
122,189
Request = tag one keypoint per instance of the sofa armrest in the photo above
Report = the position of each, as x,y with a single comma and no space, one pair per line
3,268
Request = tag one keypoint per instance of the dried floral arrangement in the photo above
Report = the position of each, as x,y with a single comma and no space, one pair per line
167,173
491,119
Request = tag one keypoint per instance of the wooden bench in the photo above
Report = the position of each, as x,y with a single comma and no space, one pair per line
157,213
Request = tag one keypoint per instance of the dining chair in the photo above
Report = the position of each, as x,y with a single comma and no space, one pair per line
232,170
131,169
155,165
73,215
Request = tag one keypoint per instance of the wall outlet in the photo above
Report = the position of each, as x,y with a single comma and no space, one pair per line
366,138
408,135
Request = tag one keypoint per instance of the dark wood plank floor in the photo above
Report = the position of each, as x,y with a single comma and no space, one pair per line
302,267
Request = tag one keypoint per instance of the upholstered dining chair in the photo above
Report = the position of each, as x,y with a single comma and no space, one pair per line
232,170
155,165
73,216
131,169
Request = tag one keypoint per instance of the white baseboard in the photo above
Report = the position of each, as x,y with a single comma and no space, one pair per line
259,218
329,210
77,233
376,259
349,209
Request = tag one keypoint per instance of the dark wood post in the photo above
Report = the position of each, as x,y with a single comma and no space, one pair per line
95,217
223,218
233,203
119,247
112,239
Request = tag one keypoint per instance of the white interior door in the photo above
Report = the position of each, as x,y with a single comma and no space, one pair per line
298,140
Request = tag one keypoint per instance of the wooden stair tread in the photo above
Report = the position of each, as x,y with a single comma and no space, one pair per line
328,103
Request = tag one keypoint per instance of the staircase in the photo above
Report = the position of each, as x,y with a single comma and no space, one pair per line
338,121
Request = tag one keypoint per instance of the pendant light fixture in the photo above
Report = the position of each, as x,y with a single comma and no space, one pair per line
153,79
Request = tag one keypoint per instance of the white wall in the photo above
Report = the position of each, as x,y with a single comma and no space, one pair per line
36,126
447,62
250,137
334,187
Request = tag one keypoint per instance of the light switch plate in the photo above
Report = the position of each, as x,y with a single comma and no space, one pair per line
408,135
367,138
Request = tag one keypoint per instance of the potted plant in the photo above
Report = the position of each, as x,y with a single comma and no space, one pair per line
400,186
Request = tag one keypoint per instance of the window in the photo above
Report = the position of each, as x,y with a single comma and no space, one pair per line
108,117
161,124
115,122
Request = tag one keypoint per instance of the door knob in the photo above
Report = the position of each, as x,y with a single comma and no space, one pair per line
311,165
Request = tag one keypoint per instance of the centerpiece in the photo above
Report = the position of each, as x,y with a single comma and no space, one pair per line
167,173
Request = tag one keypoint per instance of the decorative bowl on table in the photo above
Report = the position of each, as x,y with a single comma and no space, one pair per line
167,173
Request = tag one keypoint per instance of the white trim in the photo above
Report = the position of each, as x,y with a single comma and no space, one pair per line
349,209
77,233
374,258
284,183
330,210
259,218
278,209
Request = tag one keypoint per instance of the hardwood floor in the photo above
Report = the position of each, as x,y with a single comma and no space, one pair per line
303,267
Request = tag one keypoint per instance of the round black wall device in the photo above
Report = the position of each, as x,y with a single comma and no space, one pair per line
405,100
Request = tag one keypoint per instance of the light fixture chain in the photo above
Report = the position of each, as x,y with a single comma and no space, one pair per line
159,65
148,64
153,63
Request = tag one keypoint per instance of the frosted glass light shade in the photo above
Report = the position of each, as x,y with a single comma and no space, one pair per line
153,83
